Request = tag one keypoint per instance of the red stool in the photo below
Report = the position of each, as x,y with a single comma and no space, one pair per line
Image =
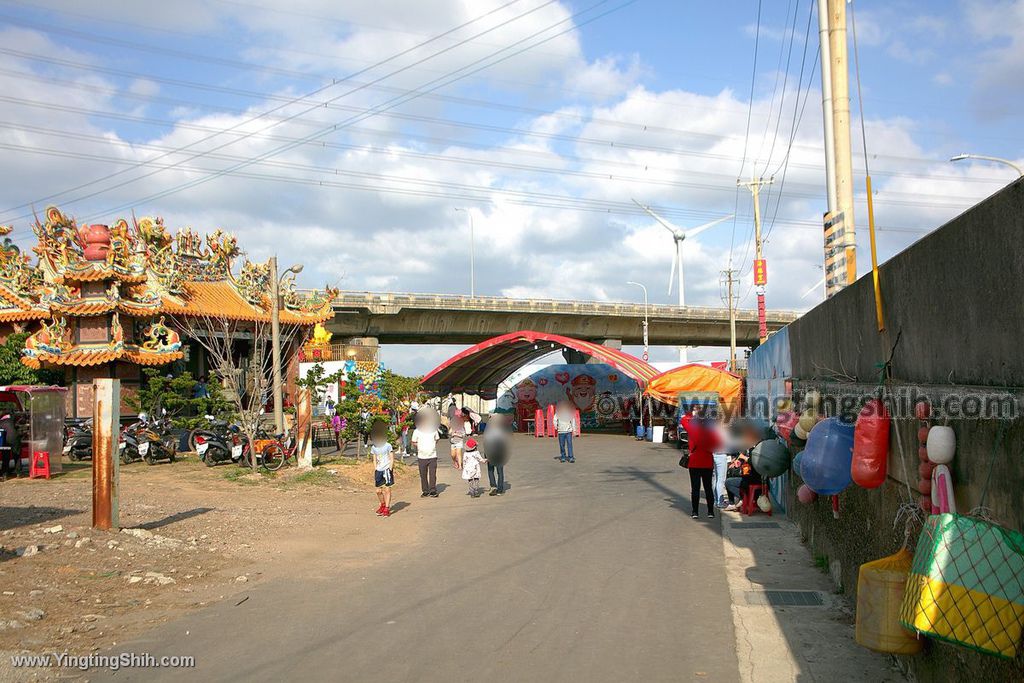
749,506
40,465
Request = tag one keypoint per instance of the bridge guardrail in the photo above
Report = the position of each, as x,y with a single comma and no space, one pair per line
492,303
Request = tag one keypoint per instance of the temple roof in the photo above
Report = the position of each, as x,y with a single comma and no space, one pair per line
140,271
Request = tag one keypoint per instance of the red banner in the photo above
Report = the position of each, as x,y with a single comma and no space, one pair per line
760,272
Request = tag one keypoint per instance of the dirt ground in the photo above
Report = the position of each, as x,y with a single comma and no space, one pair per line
190,535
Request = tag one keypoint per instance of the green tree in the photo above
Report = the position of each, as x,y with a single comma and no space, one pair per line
13,371
176,395
317,380
399,391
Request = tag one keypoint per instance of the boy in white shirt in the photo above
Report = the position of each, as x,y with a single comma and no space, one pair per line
384,463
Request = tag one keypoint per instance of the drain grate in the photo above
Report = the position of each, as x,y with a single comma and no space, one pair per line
785,598
754,525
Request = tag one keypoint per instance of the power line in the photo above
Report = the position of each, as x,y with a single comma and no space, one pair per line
391,152
401,100
477,193
315,92
448,98
746,135
447,142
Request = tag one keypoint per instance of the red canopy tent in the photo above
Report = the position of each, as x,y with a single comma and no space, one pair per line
479,369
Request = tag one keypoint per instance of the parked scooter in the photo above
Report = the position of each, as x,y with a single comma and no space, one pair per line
155,441
78,439
228,444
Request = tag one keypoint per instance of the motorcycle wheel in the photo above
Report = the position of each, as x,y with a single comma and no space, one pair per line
170,458
126,457
150,460
209,459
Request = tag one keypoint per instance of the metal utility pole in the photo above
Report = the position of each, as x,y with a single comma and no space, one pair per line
826,105
275,339
728,279
760,267
840,71
472,254
275,345
106,421
646,338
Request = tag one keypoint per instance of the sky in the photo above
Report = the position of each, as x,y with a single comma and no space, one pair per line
345,135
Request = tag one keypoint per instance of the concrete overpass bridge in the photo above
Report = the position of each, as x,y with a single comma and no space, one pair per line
396,318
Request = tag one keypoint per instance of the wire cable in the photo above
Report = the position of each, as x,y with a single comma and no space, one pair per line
303,97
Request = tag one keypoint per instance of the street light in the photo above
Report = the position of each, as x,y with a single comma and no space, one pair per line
1005,162
472,258
646,355
275,337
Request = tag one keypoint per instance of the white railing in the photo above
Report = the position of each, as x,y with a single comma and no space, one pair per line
493,303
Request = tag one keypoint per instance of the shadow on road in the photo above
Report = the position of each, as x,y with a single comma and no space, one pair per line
176,517
11,517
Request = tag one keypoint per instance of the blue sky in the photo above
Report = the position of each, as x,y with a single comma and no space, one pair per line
545,148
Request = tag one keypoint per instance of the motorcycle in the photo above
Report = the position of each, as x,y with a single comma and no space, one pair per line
227,444
78,439
154,441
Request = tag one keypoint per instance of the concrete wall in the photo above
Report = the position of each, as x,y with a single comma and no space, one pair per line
957,297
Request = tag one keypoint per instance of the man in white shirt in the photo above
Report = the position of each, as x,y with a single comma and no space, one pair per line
565,424
424,441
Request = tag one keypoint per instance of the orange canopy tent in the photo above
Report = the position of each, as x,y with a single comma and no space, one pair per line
667,386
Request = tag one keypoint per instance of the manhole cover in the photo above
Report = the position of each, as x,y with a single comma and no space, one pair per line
754,525
785,598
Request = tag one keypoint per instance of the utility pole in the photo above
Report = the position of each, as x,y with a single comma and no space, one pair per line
275,345
760,268
840,71
728,279
826,105
646,338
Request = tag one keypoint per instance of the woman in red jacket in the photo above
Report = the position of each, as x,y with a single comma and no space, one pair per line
703,438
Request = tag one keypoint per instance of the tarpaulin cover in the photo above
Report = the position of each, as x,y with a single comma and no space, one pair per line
771,359
479,369
667,386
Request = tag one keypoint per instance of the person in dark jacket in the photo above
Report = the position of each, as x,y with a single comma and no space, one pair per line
703,437
496,451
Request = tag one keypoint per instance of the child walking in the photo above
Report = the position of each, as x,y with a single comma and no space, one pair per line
384,463
471,459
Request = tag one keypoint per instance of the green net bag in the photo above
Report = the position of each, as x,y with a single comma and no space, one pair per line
966,585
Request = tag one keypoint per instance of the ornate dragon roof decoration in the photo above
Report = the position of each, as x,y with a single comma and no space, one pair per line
138,270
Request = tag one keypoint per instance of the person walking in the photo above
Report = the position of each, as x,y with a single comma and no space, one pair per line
565,424
424,442
703,439
496,452
722,455
12,442
456,435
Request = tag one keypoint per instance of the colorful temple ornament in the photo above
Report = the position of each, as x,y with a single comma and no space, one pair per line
104,300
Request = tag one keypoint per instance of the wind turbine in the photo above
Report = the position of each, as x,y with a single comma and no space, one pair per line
679,236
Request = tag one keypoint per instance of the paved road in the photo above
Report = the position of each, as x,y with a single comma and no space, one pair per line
586,572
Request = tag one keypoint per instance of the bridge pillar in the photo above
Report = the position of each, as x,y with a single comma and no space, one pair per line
574,357
611,344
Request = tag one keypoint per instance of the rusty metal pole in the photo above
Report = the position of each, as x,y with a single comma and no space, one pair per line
304,429
106,418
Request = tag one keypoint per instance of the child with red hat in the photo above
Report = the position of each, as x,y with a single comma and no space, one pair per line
471,459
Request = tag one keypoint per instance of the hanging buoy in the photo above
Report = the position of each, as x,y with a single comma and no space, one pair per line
770,458
871,445
825,466
805,495
941,443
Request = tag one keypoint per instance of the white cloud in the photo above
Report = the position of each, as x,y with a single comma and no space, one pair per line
379,212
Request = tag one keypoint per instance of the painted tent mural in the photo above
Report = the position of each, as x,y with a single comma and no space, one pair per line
603,395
